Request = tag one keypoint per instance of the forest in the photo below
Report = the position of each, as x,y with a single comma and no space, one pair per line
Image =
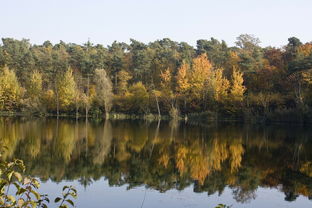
161,78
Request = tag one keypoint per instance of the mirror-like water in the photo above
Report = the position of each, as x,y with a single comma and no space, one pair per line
141,164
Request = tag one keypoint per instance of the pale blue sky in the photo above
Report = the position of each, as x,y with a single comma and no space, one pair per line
273,21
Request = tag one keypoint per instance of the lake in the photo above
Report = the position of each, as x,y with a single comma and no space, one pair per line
165,164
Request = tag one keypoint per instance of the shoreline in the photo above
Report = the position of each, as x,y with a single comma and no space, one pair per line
198,118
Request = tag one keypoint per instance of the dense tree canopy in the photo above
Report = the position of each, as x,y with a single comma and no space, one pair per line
241,81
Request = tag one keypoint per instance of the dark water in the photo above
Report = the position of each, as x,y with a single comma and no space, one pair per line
142,164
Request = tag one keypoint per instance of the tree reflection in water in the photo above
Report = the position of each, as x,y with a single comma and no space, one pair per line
165,156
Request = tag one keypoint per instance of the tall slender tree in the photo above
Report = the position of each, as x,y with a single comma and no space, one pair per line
104,90
66,90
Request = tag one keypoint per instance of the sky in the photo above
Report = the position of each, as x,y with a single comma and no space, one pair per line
103,21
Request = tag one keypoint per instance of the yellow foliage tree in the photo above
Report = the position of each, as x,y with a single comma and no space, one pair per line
34,91
237,88
123,78
166,89
305,49
182,79
49,100
183,85
66,90
219,86
166,79
201,70
10,90
138,97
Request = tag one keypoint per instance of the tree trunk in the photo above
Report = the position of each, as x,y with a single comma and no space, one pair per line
158,109
77,107
106,110
77,111
116,83
87,103
57,100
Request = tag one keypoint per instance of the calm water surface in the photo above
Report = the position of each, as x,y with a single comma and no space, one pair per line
142,164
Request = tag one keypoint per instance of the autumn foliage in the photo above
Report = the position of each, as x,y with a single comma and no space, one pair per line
245,81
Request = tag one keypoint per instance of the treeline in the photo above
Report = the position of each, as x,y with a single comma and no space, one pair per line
163,77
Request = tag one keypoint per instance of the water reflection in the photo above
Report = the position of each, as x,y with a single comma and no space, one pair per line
165,156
